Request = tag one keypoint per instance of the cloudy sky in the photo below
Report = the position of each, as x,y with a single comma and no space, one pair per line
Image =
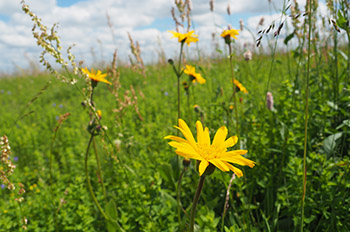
84,23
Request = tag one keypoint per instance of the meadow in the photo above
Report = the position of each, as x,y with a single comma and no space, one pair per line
104,165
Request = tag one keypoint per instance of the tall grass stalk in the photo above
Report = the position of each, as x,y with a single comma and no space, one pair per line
92,194
234,93
306,113
99,171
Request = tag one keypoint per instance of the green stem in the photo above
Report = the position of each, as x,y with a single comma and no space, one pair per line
89,182
234,93
348,68
99,170
195,202
178,74
188,104
306,117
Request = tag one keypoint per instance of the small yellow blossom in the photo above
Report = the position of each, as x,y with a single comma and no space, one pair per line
240,86
214,153
96,76
99,113
186,37
191,71
230,33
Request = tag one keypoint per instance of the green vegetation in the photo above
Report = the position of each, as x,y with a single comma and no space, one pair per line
135,174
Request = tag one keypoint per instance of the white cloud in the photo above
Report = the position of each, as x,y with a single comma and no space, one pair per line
85,23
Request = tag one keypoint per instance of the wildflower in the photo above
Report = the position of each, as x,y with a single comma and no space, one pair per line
248,55
213,154
228,34
186,37
240,86
96,76
185,85
197,109
269,100
191,71
99,113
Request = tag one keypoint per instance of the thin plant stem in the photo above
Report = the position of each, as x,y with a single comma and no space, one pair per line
99,170
226,202
89,182
234,93
178,74
195,202
306,116
189,118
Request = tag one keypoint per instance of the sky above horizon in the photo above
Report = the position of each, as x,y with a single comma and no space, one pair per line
84,23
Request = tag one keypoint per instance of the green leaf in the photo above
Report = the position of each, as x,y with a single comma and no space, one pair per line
329,144
289,37
165,171
111,210
345,123
342,22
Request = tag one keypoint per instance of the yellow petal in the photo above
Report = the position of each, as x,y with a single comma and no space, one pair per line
240,160
220,165
206,136
220,136
202,166
230,142
237,171
185,130
200,79
235,153
200,132
176,138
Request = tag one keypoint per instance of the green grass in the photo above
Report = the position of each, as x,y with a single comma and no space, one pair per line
142,182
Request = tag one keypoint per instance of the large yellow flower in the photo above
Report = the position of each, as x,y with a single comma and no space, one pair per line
191,71
230,33
240,86
186,37
202,150
96,76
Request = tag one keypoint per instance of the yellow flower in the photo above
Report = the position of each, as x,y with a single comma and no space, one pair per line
214,153
99,113
240,86
96,76
186,37
230,33
191,71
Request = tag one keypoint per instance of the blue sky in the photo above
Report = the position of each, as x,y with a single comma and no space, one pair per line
84,23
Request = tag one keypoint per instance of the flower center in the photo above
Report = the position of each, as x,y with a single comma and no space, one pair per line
209,151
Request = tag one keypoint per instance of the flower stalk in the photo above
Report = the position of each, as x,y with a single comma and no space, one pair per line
195,202
234,92
306,115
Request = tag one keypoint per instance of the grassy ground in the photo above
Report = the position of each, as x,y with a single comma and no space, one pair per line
141,174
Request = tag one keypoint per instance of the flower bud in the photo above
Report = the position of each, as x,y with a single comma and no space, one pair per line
269,100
